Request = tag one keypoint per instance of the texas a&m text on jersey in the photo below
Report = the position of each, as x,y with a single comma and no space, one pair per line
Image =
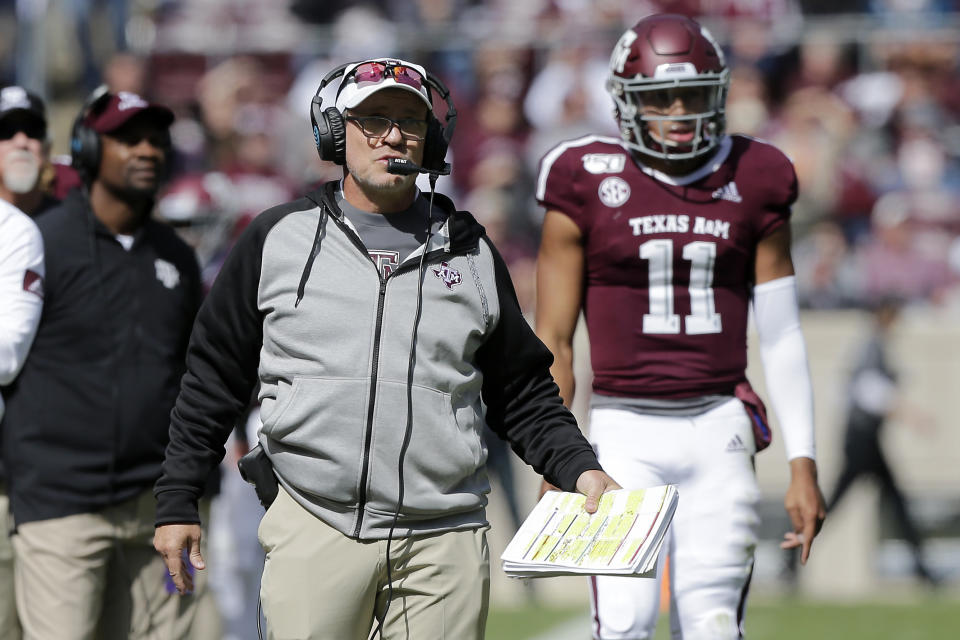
668,259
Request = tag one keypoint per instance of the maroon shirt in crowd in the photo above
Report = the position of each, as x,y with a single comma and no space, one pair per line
669,261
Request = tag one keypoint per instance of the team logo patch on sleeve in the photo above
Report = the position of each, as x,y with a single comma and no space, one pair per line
597,163
167,273
613,191
33,282
450,276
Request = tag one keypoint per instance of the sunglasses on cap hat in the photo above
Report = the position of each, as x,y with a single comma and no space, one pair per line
375,72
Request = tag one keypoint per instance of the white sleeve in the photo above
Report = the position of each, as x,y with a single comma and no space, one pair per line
784,357
21,289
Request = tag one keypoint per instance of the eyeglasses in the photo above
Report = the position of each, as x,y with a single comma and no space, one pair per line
9,127
381,126
374,72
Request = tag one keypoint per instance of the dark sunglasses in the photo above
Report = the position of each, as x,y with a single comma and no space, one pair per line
374,72
32,128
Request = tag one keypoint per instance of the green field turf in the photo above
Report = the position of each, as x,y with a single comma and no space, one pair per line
932,619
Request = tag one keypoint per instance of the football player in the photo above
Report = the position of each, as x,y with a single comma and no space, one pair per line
663,238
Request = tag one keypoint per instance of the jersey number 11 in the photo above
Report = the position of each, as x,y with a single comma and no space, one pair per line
703,316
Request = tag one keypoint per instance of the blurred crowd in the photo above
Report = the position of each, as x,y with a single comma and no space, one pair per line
866,103
863,95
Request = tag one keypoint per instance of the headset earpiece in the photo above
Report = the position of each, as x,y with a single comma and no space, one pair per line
329,130
439,135
434,146
84,141
85,152
330,135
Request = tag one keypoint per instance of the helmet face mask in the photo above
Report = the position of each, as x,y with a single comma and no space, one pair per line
662,62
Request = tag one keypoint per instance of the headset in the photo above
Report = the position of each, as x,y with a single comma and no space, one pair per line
84,141
329,129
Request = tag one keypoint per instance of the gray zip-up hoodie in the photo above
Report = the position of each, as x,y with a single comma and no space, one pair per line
302,309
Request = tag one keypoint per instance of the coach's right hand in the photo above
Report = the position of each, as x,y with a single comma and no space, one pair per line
592,484
171,540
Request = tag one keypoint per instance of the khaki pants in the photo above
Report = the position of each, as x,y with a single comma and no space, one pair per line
319,584
96,576
9,624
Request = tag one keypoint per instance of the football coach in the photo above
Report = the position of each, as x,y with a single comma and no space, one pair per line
384,332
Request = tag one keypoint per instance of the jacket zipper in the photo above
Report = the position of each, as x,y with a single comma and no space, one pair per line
368,433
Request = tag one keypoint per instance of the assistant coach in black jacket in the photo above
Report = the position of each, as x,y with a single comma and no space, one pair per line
87,419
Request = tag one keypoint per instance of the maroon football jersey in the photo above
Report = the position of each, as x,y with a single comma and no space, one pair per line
669,261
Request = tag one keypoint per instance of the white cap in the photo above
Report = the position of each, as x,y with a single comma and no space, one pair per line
350,95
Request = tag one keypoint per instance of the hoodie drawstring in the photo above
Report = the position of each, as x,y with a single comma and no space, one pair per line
315,249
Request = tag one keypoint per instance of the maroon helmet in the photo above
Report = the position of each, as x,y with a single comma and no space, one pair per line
661,58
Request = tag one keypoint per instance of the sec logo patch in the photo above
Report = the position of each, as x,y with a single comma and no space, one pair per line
613,191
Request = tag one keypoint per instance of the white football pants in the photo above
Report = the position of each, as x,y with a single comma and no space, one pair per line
714,531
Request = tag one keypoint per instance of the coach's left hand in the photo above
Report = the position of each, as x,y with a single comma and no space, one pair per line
171,540
593,484
805,505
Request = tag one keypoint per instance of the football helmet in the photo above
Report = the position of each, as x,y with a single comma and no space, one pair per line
661,59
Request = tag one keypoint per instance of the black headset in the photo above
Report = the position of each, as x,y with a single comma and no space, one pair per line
84,141
329,129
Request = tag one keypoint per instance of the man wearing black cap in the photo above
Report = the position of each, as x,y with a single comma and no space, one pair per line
24,151
86,423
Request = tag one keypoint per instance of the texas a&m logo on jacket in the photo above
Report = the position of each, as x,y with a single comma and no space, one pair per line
448,274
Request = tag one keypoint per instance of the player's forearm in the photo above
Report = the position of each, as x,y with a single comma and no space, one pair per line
791,394
562,368
563,374
803,467
784,356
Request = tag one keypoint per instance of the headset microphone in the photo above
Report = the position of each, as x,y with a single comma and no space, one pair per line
404,167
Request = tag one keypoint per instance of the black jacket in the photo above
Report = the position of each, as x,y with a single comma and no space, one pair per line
87,419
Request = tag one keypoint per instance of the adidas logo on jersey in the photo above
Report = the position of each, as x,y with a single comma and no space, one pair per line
735,444
729,192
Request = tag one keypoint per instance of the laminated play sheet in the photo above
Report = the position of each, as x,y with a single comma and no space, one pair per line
623,537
